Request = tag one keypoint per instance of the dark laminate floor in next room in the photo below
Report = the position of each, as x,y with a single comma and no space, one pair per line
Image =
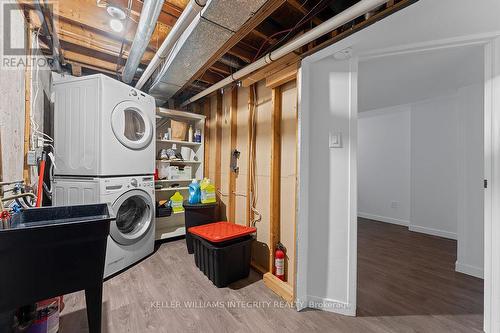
406,284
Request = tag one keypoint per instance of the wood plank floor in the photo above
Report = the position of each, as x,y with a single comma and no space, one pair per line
406,283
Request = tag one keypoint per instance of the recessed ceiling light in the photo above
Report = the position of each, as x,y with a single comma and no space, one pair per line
116,25
116,12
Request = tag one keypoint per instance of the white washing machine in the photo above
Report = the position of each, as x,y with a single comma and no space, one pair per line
103,127
132,198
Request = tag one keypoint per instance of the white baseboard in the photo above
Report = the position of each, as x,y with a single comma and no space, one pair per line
433,232
330,305
469,270
384,219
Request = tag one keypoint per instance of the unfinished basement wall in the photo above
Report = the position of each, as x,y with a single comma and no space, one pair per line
12,89
236,110
23,90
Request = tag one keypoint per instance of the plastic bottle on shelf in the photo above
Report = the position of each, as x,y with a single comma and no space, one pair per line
194,192
176,201
190,134
207,191
197,135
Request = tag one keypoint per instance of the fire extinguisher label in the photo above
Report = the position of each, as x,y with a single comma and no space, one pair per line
280,267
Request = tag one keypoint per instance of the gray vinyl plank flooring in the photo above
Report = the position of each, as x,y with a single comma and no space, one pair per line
167,293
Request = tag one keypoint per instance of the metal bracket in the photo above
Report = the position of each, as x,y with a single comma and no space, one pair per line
235,155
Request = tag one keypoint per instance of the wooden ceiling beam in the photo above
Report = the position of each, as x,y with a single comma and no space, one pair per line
244,54
267,9
221,68
211,77
295,5
168,15
76,48
259,34
75,34
86,61
90,16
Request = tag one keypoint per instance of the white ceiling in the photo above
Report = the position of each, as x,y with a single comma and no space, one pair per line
409,78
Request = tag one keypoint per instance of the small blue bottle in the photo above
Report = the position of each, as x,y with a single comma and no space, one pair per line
194,192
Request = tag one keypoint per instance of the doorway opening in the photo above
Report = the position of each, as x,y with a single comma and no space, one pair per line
421,188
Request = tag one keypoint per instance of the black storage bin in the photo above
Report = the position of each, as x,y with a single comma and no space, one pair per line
195,215
162,211
223,263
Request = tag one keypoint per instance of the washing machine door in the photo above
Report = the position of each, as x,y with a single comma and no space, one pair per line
131,125
134,216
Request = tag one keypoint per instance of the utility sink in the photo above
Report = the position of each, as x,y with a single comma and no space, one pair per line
52,251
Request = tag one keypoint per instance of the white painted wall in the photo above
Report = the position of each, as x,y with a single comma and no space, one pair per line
430,155
434,174
470,229
332,231
384,164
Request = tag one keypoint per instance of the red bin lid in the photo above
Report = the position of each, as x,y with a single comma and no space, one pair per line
221,231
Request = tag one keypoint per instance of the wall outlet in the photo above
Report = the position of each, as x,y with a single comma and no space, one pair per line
394,204
31,158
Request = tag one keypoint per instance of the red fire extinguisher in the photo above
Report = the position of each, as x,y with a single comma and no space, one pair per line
279,262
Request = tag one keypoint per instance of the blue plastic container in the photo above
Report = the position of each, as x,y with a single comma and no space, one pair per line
194,192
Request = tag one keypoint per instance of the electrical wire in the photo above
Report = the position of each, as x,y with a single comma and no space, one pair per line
253,188
35,127
301,22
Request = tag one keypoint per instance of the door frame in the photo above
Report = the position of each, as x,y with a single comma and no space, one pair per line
491,45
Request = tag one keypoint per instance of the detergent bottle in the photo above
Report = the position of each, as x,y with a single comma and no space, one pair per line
207,191
194,192
176,202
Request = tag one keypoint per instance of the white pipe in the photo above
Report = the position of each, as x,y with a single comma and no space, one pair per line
151,10
188,14
338,20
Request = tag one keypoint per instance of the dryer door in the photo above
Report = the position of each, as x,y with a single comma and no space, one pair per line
131,125
134,217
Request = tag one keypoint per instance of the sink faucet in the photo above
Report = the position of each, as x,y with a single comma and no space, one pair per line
5,223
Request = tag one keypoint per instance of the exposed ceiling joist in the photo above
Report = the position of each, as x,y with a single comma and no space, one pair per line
85,24
301,9
86,61
73,33
221,68
242,53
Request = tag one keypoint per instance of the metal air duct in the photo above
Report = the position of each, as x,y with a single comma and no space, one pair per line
216,23
147,23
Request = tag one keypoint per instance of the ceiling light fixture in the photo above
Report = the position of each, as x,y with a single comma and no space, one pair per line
116,25
116,12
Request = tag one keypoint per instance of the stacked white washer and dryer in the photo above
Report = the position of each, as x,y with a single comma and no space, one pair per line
104,134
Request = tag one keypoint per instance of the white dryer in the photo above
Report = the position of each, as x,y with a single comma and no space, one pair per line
132,198
103,127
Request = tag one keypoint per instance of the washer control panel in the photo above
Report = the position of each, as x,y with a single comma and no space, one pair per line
117,185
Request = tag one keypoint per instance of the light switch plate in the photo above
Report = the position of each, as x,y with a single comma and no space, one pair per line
335,140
